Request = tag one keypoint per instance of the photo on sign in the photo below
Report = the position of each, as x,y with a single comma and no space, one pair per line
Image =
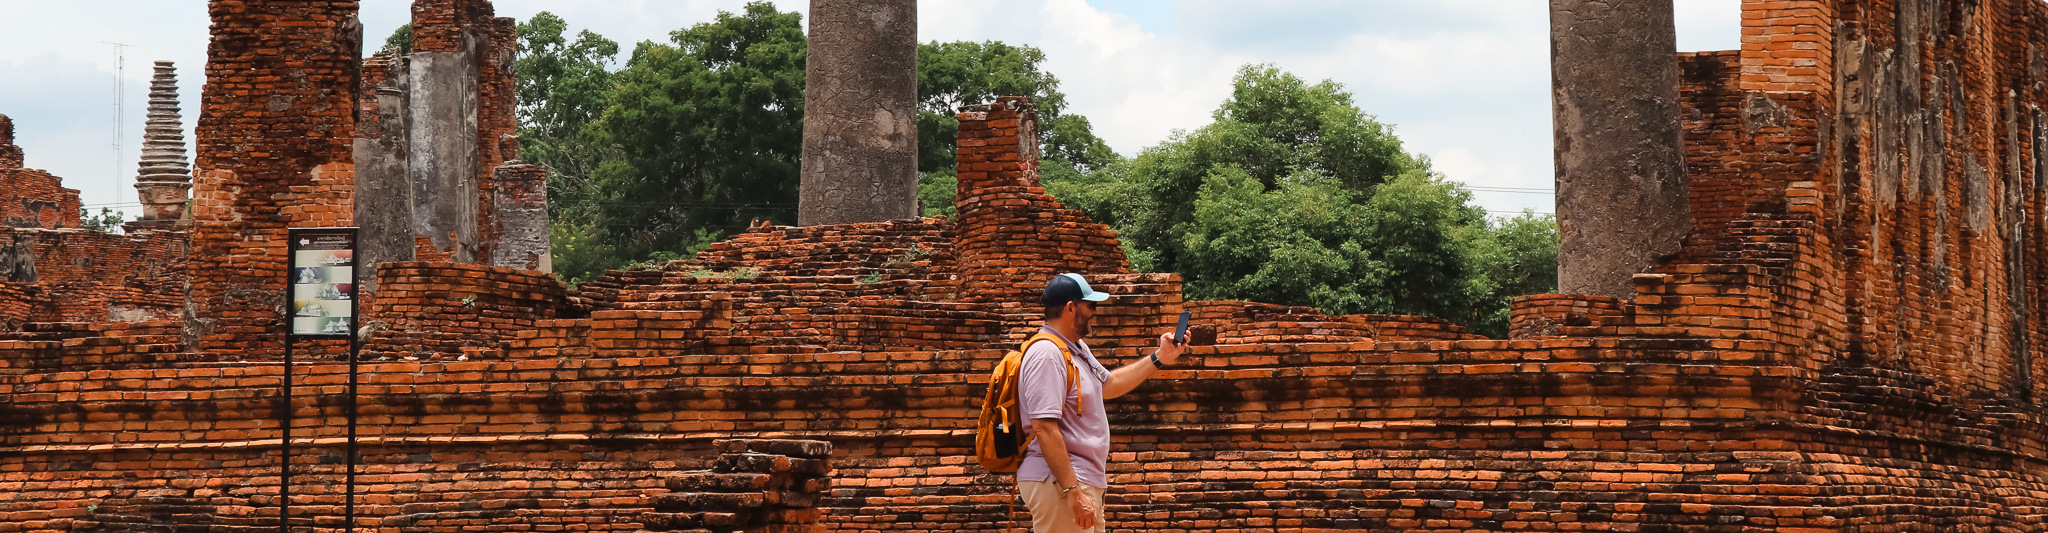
308,275
339,275
336,295
321,325
310,309
332,291
325,258
322,282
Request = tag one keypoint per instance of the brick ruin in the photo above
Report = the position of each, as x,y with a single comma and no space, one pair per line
53,269
437,140
1844,343
35,198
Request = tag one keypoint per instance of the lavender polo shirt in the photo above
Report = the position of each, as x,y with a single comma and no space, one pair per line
1042,391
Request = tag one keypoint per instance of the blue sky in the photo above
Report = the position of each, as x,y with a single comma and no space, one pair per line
1465,82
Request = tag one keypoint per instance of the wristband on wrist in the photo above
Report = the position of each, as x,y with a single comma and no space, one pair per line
1156,363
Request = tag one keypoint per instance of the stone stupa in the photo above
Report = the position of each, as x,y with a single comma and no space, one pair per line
164,180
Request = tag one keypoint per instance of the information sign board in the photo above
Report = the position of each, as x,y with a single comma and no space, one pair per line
322,282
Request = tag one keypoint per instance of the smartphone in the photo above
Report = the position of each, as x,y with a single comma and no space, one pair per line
1180,332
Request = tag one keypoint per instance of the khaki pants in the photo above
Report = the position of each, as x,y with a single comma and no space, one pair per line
1049,510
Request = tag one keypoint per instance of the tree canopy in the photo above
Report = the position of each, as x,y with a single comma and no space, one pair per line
956,74
1294,195
709,130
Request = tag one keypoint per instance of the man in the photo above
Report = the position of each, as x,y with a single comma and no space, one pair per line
1063,476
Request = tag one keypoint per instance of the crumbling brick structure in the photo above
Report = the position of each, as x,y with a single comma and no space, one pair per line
1845,344
52,269
275,144
34,199
436,134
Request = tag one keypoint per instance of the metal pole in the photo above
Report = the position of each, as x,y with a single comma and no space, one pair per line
354,344
284,481
284,422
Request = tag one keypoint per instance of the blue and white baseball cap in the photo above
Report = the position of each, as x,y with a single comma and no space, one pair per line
1069,287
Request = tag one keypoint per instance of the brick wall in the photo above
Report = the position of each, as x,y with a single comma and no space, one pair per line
1903,134
88,276
1422,435
274,143
21,302
449,310
1541,315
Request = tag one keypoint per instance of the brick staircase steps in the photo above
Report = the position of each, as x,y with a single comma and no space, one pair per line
753,485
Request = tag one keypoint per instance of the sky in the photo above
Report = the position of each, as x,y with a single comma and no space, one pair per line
1464,82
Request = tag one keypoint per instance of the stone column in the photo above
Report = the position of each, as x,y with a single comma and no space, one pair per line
384,185
860,113
442,102
164,179
1621,187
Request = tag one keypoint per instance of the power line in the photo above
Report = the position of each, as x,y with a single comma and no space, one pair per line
1544,189
1513,190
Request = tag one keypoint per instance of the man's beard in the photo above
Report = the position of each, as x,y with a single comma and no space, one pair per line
1081,328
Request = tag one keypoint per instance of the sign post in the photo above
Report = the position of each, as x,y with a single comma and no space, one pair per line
321,278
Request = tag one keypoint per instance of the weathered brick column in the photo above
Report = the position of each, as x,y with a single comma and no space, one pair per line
435,126
1621,189
521,218
275,129
1012,236
860,113
383,181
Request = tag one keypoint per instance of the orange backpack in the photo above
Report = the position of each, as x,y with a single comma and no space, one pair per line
999,440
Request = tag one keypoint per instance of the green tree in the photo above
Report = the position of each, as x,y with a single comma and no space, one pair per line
708,130
561,87
1294,195
1514,257
400,41
581,250
1311,241
108,221
957,74
1274,125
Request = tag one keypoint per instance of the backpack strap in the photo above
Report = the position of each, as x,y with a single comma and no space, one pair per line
1073,374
